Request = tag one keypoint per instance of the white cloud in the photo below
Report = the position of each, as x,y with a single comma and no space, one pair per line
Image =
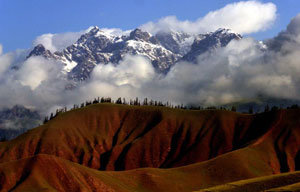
1,49
115,31
294,26
244,17
5,62
35,70
234,73
127,79
133,71
58,41
36,83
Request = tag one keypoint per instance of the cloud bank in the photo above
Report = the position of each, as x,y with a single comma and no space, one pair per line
240,71
244,17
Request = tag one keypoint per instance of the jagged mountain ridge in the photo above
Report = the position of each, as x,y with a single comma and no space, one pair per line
210,42
163,49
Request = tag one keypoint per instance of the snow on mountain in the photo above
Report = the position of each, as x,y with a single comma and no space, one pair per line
105,46
209,42
177,42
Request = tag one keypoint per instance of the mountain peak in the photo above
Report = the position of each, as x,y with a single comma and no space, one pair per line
223,30
209,42
175,41
226,32
40,50
39,47
138,34
94,29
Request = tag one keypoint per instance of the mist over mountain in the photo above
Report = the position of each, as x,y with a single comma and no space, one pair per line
163,49
214,68
17,120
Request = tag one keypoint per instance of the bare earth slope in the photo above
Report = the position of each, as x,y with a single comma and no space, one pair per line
210,148
50,173
117,137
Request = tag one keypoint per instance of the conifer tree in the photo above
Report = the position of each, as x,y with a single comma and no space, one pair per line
46,120
233,108
51,116
145,101
267,108
250,111
119,101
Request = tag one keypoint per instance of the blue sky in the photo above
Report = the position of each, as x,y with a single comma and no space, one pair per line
22,21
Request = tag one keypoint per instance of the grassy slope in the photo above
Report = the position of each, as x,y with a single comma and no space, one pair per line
281,182
288,188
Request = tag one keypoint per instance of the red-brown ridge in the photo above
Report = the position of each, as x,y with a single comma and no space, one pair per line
81,150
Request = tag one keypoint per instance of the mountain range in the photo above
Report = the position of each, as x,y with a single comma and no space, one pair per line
96,46
163,49
100,47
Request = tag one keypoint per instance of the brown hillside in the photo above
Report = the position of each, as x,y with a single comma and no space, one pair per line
229,146
50,173
116,137
285,182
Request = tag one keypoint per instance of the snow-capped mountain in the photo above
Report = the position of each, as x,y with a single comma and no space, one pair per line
163,49
177,42
210,42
